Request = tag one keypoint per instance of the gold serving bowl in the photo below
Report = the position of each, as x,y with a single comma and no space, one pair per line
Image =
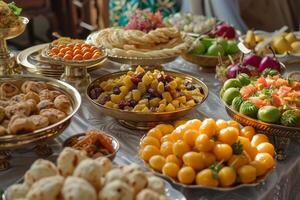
280,134
10,142
115,143
142,120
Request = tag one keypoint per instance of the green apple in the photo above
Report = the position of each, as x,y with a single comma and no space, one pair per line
207,41
199,49
215,50
222,42
232,47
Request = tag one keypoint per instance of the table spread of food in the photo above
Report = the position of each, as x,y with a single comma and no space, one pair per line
161,129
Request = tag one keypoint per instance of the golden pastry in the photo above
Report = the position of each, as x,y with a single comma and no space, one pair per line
32,95
32,105
8,90
5,123
16,99
53,115
18,108
34,86
63,103
46,95
4,103
44,104
2,131
20,124
39,121
2,114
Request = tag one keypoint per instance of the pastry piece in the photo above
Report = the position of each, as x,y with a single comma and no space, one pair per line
63,103
91,171
32,104
21,108
4,103
46,189
40,169
116,190
17,98
105,163
19,124
147,194
68,160
2,131
2,114
8,90
131,168
34,86
78,189
5,123
137,180
16,191
116,174
32,95
53,115
156,184
39,121
44,104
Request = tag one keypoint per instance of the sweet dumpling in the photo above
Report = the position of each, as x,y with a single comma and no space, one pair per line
68,160
40,169
34,86
137,180
63,103
53,115
91,171
116,174
116,190
105,163
44,104
156,184
76,188
8,90
21,108
147,194
20,124
32,95
46,189
16,191
39,121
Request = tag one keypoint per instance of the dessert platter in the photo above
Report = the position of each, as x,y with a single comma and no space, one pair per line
138,133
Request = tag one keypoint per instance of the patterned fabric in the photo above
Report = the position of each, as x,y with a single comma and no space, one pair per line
121,10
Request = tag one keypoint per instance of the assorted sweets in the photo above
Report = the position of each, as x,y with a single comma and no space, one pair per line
77,177
251,64
74,52
271,98
145,36
9,15
208,153
29,106
190,23
286,42
147,91
94,143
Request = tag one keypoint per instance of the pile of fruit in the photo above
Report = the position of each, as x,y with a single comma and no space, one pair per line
223,30
271,99
146,91
251,64
208,153
284,43
75,52
190,23
214,46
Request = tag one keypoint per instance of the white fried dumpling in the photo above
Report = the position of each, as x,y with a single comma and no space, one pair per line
137,180
116,174
132,167
116,190
46,189
40,169
91,171
156,184
76,188
68,160
105,163
16,191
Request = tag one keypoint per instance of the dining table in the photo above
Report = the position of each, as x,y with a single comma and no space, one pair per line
281,183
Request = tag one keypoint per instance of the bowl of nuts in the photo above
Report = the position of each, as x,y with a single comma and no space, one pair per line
141,99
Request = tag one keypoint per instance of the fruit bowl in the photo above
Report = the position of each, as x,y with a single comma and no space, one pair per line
144,120
281,135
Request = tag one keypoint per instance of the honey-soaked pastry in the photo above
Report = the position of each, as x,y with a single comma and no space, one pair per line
40,169
39,121
32,104
2,114
34,86
17,191
53,115
2,131
20,124
63,103
46,95
68,160
4,103
21,108
46,189
17,98
8,90
44,104
78,189
116,190
32,95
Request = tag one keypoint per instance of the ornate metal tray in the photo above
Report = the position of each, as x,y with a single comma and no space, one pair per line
140,120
